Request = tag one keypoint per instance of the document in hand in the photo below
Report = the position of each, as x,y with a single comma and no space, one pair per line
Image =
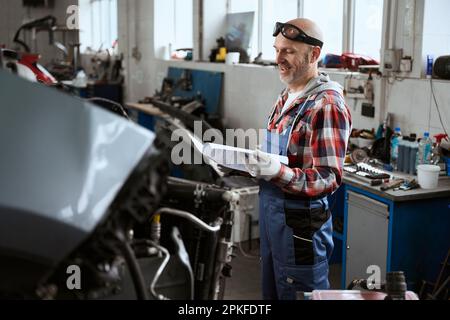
232,157
223,155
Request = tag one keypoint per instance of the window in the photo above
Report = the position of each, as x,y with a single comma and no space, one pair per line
368,27
436,32
236,6
328,14
366,16
239,6
173,26
98,24
273,12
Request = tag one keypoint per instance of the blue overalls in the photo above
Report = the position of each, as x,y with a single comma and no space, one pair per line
295,234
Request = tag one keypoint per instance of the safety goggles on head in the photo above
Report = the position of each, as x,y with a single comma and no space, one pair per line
294,33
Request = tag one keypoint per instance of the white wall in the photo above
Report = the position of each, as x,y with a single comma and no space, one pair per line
136,43
414,110
13,15
250,91
436,35
408,96
214,24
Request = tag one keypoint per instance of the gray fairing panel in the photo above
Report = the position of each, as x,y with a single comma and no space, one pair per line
62,163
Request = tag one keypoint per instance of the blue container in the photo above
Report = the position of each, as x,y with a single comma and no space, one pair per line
430,60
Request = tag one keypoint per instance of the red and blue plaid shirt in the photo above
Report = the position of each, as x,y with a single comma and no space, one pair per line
317,144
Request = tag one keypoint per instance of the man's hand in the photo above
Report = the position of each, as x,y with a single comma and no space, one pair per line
262,165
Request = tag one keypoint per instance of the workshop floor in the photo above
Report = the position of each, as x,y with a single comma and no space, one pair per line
245,283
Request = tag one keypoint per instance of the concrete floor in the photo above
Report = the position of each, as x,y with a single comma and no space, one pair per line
245,283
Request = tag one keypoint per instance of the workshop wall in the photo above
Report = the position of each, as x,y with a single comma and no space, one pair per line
249,91
436,35
136,43
214,24
407,96
413,107
14,15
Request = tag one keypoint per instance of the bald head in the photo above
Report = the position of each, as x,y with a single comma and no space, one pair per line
309,27
298,61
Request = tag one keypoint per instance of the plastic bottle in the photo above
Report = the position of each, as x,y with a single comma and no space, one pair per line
81,80
430,61
395,141
425,147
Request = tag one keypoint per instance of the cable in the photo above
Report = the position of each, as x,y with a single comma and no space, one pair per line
184,257
35,24
437,106
246,255
241,250
121,109
429,112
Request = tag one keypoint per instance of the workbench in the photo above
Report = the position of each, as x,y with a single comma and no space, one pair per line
147,114
148,109
395,230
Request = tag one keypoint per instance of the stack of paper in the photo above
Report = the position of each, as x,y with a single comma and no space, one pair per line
223,155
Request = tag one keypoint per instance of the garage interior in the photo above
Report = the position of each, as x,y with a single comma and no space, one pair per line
115,122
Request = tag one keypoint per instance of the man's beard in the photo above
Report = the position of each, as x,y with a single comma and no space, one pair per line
294,76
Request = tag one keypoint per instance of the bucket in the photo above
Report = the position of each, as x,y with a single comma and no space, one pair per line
232,58
428,176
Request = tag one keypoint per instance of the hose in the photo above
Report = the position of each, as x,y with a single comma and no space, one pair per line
133,266
160,269
192,218
242,251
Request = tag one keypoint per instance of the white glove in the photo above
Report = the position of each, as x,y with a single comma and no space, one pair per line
262,165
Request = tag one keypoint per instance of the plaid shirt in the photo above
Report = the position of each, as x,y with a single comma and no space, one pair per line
317,144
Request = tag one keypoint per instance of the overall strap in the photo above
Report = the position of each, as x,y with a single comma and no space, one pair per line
281,99
299,113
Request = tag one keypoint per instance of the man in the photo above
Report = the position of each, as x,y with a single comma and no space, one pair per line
311,125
